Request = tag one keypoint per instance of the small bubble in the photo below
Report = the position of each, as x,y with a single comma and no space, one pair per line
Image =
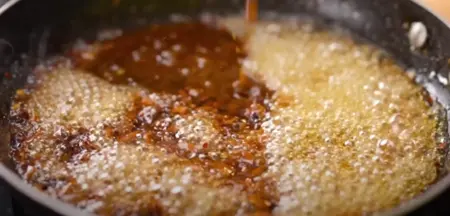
348,143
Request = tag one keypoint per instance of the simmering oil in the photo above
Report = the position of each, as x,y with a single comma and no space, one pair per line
187,118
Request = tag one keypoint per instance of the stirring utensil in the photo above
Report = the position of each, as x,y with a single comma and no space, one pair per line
251,16
251,10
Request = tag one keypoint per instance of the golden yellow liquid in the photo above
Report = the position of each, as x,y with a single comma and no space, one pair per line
349,133
345,133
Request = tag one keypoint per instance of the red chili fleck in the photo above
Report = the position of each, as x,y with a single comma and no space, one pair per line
205,145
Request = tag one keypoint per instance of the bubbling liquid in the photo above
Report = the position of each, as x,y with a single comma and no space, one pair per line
189,119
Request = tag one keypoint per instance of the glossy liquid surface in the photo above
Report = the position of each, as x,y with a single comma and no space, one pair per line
186,118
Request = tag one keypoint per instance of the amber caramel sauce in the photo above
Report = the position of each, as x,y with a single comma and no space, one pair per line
180,58
200,64
237,111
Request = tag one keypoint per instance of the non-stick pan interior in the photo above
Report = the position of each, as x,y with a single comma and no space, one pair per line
34,30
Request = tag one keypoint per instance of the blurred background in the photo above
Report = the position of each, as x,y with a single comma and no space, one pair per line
441,7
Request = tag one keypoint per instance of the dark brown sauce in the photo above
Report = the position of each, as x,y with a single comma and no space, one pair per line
201,65
188,58
226,94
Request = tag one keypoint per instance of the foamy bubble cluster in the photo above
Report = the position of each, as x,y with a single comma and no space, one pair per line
345,132
349,132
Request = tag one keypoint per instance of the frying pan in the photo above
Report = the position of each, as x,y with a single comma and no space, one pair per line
30,31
